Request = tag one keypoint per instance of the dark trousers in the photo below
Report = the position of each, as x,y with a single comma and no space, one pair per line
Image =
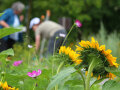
6,44
3,45
55,41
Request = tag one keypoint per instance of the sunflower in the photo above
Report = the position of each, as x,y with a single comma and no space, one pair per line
5,86
104,58
72,54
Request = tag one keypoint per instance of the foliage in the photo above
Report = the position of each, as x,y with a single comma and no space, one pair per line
111,85
60,76
89,12
7,31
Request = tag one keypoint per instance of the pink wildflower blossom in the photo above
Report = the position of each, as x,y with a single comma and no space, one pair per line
34,73
17,63
78,23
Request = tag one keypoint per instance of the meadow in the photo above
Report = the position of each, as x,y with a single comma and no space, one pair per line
89,64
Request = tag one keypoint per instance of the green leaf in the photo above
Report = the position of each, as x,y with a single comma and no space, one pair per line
76,87
96,87
74,82
7,31
111,85
113,70
97,82
60,76
7,52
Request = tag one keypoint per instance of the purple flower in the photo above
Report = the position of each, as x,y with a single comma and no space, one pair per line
78,23
34,74
17,63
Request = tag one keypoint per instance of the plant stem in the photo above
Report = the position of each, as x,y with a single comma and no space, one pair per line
68,34
34,86
59,67
54,47
28,57
52,66
2,78
79,71
90,69
58,70
53,56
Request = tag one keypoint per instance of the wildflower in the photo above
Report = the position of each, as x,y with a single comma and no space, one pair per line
98,77
78,23
111,76
17,63
72,54
62,49
30,46
101,49
34,74
67,50
103,58
5,86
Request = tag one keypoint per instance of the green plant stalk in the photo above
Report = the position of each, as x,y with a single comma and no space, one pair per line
90,69
53,59
29,57
34,86
4,71
68,34
2,79
52,66
37,58
54,47
58,70
81,76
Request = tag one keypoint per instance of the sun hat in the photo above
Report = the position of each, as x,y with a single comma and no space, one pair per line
34,21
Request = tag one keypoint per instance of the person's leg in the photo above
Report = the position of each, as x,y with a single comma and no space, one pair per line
61,36
50,46
3,45
10,43
57,42
20,37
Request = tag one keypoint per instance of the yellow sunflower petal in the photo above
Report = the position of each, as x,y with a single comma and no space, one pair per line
102,48
77,62
78,48
98,77
1,84
5,86
62,49
107,52
111,76
83,44
67,50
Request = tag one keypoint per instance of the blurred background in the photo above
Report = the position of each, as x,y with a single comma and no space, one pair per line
89,12
100,18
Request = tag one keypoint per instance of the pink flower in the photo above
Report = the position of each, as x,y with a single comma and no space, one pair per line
17,63
78,23
34,74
